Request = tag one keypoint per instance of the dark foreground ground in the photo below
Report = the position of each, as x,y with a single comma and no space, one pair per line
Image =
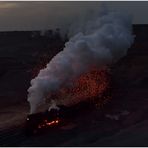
122,122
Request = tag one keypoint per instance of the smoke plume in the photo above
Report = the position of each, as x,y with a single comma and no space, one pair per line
101,40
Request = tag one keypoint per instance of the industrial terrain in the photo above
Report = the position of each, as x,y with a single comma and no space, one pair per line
122,121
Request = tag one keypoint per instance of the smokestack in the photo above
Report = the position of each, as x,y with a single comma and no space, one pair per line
99,41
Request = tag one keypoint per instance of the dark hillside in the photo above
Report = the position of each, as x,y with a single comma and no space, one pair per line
122,122
22,55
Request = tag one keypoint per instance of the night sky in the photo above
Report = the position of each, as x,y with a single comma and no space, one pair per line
51,14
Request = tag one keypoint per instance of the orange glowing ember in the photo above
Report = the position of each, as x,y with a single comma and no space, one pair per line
88,86
46,123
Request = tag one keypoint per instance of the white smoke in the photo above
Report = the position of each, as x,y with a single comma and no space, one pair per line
99,41
53,106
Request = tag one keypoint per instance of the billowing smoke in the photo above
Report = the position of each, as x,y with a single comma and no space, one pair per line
99,41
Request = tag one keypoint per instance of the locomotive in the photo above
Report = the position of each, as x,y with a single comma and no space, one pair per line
41,121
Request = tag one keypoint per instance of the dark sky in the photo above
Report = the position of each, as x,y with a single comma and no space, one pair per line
51,14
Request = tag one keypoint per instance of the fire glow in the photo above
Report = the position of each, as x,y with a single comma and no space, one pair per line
46,123
88,86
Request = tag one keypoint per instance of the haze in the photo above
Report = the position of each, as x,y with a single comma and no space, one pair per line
44,15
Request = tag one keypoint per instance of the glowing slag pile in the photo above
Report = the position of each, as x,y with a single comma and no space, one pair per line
96,42
87,86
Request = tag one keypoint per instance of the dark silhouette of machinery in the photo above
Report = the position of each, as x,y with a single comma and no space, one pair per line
38,122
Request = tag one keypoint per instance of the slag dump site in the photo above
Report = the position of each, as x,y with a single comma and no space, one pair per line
103,64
